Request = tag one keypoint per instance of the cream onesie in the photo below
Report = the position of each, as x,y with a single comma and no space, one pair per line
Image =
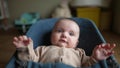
53,54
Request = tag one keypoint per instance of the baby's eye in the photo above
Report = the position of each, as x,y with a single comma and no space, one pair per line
71,33
59,30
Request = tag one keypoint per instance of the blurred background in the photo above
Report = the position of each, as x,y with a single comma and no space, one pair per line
16,17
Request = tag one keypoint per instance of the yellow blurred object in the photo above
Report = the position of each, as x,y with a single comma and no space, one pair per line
92,13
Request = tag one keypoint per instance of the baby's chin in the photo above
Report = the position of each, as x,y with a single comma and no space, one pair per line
61,45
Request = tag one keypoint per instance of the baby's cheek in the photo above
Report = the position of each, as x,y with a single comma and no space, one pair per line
72,44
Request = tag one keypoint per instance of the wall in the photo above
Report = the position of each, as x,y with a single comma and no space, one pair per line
116,16
44,7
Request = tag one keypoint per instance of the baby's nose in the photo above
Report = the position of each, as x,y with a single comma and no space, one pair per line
64,34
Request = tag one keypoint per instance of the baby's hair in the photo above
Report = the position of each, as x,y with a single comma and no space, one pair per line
67,19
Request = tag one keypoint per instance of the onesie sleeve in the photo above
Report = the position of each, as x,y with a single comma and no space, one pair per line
86,60
28,53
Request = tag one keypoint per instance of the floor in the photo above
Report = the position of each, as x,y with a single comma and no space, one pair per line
7,49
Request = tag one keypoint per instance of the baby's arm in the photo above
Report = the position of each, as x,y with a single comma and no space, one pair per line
103,51
100,52
25,51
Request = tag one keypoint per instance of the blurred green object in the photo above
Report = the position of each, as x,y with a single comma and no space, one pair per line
26,20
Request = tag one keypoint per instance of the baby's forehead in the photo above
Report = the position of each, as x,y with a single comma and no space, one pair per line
67,22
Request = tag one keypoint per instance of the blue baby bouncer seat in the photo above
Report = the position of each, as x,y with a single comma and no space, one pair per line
90,36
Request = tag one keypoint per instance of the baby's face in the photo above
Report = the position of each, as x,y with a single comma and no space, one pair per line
65,34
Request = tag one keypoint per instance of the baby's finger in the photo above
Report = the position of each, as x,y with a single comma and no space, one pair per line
103,45
26,40
107,46
110,47
25,37
30,39
20,38
15,39
110,53
113,46
15,44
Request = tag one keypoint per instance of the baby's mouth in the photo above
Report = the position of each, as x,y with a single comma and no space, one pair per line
63,41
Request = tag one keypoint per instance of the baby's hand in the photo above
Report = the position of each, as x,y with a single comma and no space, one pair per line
103,51
22,41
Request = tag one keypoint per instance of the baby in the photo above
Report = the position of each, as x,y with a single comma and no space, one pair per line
64,39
